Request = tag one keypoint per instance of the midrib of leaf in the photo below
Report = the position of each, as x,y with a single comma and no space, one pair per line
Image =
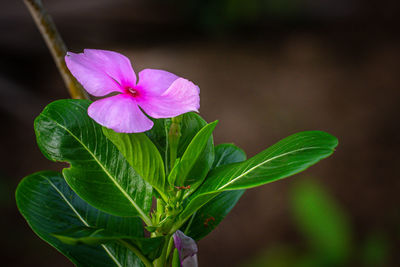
219,161
131,154
142,214
265,162
81,219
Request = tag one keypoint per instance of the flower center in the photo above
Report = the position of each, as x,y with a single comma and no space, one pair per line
131,91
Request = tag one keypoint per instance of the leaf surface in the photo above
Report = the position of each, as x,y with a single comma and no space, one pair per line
49,205
142,155
150,247
287,157
191,155
208,217
190,125
98,172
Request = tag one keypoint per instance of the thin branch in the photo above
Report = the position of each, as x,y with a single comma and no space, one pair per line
56,46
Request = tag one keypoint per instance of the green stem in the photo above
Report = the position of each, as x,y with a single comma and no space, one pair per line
175,259
166,160
162,260
170,244
173,139
56,46
137,252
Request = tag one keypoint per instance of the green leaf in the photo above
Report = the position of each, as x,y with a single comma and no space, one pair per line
211,214
322,222
175,259
149,247
174,172
158,135
192,153
190,125
98,173
142,155
49,205
227,154
287,157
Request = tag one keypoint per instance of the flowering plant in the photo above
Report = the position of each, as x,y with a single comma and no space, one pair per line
98,210
144,180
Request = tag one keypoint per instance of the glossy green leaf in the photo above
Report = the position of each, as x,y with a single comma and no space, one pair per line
149,247
227,154
98,172
158,135
211,214
208,217
49,205
174,172
190,156
191,124
142,155
287,157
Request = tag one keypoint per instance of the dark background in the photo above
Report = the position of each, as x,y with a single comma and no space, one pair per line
266,69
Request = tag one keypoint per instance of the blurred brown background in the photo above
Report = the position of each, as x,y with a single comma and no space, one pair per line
266,69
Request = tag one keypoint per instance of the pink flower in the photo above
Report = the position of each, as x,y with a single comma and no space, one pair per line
187,249
158,93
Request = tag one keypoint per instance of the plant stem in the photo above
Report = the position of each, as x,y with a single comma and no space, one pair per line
162,260
56,46
170,243
173,139
175,259
166,155
137,252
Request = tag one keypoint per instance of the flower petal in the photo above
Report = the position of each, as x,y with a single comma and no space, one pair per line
115,65
120,113
181,97
187,249
155,82
190,261
101,72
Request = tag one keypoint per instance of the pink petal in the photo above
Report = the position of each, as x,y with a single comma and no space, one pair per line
155,82
120,113
187,249
101,72
114,64
181,97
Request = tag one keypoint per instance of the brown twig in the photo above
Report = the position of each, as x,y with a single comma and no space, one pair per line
56,46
